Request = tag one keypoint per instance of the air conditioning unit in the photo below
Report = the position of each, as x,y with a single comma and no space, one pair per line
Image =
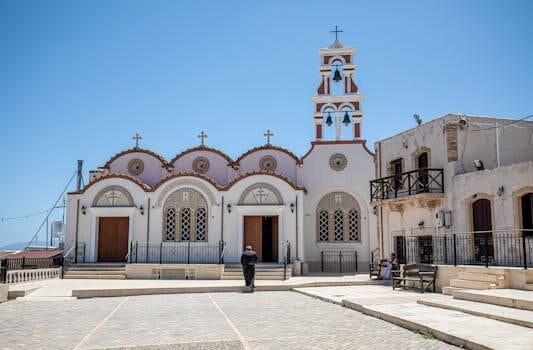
444,218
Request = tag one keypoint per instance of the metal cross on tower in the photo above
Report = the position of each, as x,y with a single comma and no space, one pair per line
268,134
137,137
202,136
336,31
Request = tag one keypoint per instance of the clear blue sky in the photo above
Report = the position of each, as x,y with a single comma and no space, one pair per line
78,79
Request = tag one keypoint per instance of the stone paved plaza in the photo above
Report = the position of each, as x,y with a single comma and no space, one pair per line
263,320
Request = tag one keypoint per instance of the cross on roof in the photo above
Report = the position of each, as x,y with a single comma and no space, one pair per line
202,136
137,137
336,31
268,134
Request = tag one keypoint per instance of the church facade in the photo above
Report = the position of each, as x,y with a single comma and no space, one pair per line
140,204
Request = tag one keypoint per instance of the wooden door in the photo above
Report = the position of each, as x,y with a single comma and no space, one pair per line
253,231
113,239
482,221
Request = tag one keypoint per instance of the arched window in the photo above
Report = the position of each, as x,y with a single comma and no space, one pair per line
353,225
185,224
323,226
185,216
338,227
113,196
201,224
170,220
338,218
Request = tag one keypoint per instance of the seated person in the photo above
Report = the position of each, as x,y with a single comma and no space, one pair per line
385,273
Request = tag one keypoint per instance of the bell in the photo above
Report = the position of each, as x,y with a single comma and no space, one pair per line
329,121
346,119
337,75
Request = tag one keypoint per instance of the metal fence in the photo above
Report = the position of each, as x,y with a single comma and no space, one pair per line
8,264
488,248
176,253
338,261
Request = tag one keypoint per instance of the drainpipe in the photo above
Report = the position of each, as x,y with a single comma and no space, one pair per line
296,210
147,228
497,145
380,207
222,220
77,225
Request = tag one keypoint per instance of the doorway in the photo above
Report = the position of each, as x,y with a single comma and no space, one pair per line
482,221
113,239
527,214
422,166
261,232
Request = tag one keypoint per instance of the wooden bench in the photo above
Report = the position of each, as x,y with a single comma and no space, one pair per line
375,267
415,276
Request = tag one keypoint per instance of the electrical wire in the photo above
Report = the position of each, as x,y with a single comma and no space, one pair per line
503,125
23,216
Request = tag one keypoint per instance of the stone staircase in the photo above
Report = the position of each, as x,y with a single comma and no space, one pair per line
510,306
479,278
262,272
106,271
529,280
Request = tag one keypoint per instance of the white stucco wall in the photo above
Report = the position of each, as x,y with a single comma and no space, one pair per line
319,180
151,174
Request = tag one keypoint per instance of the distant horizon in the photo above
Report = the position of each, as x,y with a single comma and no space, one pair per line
80,79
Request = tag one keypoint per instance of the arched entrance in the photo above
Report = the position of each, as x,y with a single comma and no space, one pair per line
422,166
482,227
261,232
527,214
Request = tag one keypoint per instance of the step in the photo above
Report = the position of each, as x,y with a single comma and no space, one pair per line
87,268
94,277
514,298
263,278
481,277
98,265
457,283
501,313
95,272
491,270
449,290
454,327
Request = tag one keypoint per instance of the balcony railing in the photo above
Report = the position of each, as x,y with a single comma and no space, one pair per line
423,180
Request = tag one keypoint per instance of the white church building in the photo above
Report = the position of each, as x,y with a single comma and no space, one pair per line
203,205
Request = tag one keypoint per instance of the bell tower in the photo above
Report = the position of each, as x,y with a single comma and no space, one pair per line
337,100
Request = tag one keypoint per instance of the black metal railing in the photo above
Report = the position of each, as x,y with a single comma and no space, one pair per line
176,253
422,180
340,261
80,253
486,248
10,264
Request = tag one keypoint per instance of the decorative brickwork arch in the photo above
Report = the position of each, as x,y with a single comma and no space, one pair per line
338,218
113,196
185,216
261,194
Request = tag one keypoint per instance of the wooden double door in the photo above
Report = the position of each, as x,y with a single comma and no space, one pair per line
113,239
261,232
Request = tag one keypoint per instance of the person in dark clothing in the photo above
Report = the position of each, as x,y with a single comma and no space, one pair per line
248,261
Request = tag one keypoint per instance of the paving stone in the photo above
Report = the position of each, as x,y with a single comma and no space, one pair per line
262,320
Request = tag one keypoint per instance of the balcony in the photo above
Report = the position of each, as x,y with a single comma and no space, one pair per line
423,180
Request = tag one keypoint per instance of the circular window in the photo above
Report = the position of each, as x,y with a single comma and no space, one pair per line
338,162
268,163
135,166
200,165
